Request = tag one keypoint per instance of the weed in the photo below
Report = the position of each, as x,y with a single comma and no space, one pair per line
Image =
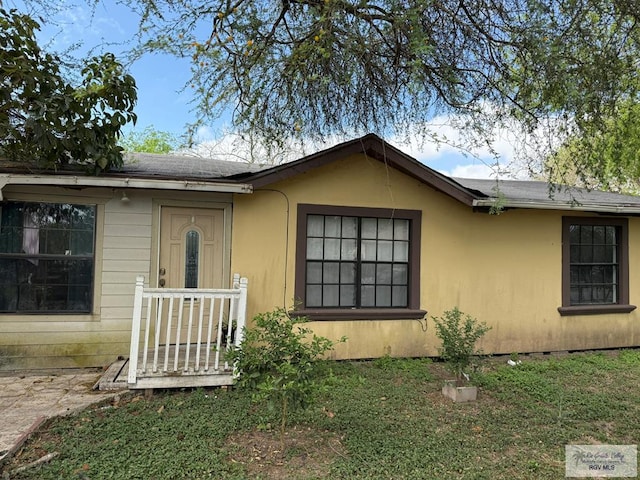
390,424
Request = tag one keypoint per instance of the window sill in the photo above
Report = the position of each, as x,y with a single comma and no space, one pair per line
595,309
360,314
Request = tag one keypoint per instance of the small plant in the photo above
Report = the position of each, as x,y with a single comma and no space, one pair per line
277,362
459,334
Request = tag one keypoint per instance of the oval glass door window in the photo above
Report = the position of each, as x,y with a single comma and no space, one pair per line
192,252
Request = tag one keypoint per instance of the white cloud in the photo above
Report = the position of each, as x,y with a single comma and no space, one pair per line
472,171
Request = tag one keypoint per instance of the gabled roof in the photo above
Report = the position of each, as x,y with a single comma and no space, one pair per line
373,147
480,194
180,172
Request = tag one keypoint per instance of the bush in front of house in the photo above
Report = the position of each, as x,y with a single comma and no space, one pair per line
278,361
459,333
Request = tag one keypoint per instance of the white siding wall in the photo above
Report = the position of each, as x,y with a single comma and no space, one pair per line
125,248
126,253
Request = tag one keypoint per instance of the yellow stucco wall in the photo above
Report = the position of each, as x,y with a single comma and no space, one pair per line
503,269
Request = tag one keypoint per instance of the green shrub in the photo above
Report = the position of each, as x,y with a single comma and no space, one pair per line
277,362
459,334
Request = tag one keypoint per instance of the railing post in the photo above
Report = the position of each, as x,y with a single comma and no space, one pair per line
242,310
135,330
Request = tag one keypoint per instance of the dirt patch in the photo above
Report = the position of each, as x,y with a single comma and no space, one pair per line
307,453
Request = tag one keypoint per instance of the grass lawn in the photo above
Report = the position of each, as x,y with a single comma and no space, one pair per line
383,419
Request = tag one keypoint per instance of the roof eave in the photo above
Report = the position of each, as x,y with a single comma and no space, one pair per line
553,205
122,182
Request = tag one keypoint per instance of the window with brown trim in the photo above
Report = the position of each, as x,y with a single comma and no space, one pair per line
595,266
357,262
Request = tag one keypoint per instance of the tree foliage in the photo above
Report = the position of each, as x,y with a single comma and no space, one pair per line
313,68
318,67
48,122
149,140
617,150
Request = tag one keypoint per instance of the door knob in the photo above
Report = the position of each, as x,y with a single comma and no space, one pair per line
161,282
162,271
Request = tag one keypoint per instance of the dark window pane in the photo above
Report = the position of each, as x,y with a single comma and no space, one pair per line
383,274
332,249
349,249
401,229
368,250
609,274
314,295
81,243
348,273
368,274
79,298
585,295
368,296
574,253
584,275
192,259
597,274
56,243
11,240
385,229
314,272
598,235
574,295
347,296
385,251
586,253
8,298
331,273
610,234
400,274
315,248
399,296
383,296
349,227
315,226
586,234
332,226
369,228
330,296
610,254
574,234
400,251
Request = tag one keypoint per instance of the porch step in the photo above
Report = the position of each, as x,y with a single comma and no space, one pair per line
115,378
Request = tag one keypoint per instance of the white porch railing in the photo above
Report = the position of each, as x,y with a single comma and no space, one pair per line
179,335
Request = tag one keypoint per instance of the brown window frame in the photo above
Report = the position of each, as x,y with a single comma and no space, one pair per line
413,302
622,305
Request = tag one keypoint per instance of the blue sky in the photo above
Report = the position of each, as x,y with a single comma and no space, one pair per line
164,102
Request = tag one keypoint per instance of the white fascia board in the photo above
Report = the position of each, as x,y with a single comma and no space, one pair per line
112,182
590,207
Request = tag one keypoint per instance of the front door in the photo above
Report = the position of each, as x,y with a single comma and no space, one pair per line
191,248
191,256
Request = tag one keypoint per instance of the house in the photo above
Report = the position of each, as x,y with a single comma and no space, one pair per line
363,239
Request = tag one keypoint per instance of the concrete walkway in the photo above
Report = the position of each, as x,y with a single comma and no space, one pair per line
27,400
